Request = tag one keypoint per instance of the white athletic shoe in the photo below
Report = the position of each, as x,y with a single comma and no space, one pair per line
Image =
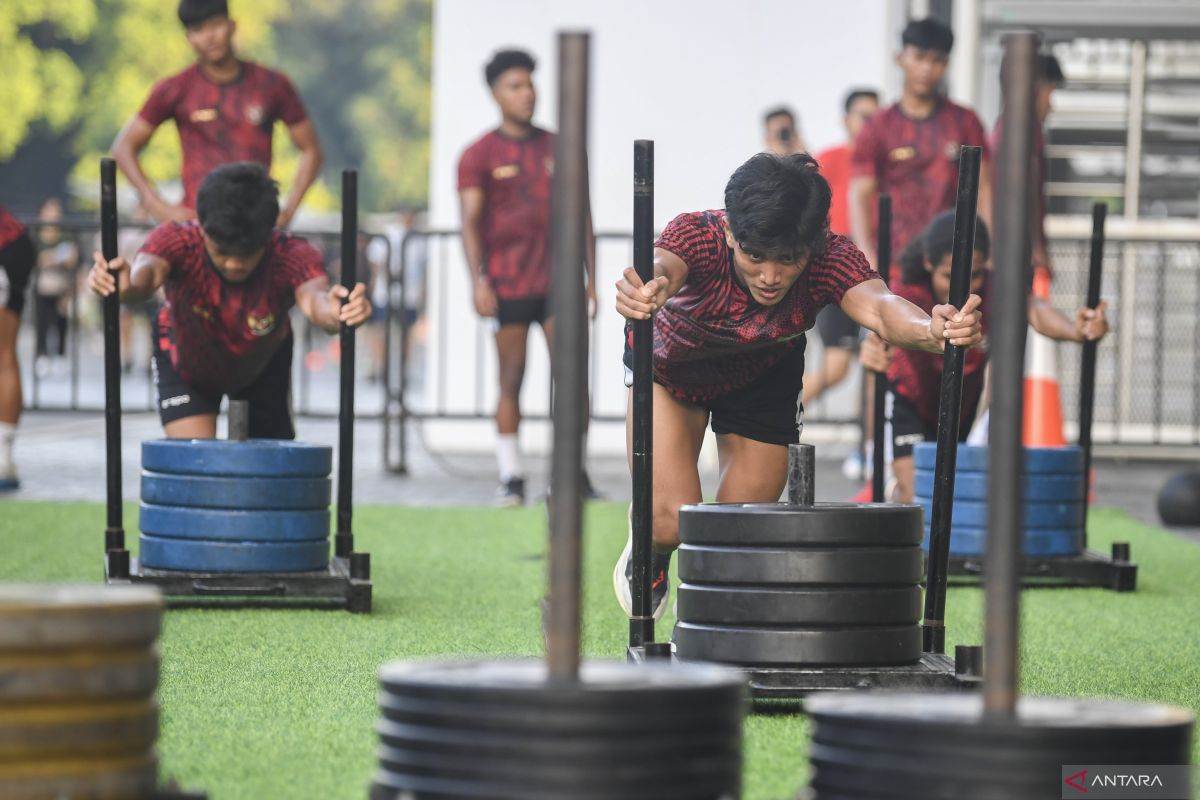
623,576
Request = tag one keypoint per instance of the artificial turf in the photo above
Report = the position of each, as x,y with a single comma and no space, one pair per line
280,703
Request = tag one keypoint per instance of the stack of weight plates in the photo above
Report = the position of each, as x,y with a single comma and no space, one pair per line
500,730
210,505
773,584
894,746
78,670
1054,485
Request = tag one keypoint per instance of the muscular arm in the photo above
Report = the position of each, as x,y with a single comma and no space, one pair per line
471,202
903,324
134,284
985,194
126,151
304,138
862,196
636,300
327,308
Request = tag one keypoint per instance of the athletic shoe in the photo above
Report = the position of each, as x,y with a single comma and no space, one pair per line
855,469
511,493
8,480
660,582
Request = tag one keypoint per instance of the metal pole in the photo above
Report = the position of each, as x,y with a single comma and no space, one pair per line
1127,329
802,473
1087,372
239,420
641,624
114,533
1007,334
950,405
883,267
568,211
344,541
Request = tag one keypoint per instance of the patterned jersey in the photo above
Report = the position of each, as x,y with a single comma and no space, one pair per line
712,337
916,375
225,333
222,123
10,228
916,160
834,164
515,177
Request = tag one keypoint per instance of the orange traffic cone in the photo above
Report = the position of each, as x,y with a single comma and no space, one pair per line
1043,402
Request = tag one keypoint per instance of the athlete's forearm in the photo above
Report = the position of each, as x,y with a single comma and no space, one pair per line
1049,321
306,174
905,325
140,285
862,191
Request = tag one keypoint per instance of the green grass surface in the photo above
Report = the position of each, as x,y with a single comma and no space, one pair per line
280,703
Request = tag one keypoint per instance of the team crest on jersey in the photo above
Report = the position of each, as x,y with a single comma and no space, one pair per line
506,171
202,312
254,114
260,326
203,115
902,153
952,149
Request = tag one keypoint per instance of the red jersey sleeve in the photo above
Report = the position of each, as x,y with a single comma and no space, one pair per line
288,106
160,105
168,242
472,171
298,261
697,239
865,158
840,268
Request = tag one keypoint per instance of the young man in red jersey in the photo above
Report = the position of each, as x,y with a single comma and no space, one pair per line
225,110
17,258
911,149
733,294
230,279
504,189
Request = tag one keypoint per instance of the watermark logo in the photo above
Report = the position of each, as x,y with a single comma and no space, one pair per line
1126,781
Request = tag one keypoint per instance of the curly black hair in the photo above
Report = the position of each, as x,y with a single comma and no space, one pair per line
932,245
778,207
237,206
503,61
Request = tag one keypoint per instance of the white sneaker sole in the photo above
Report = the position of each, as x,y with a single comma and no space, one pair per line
621,585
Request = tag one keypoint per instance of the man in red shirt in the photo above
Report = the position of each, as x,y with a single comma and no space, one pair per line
839,333
230,279
911,149
733,294
504,189
225,110
17,257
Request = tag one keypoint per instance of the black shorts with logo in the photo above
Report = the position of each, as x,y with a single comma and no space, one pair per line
269,395
16,263
522,311
908,429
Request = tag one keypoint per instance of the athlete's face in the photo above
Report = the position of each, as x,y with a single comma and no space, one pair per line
939,275
234,267
515,95
767,281
923,69
860,111
212,39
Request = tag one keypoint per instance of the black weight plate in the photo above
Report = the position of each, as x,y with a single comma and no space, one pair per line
101,778
1047,514
77,675
240,493
256,458
974,486
838,524
1038,542
193,555
391,786
739,605
854,566
974,458
28,733
897,644
177,522
35,617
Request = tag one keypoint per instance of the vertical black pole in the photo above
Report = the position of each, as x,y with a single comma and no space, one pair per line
344,541
568,240
884,268
114,533
641,625
1007,335
950,405
1087,373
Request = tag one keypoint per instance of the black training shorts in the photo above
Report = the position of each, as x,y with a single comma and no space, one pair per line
837,329
16,263
522,311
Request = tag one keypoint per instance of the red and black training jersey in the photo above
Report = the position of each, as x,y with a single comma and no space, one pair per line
515,176
712,337
225,333
916,160
11,228
220,123
916,375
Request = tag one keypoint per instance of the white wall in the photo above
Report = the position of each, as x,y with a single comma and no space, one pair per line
693,75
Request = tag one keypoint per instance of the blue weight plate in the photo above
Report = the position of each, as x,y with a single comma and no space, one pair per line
176,522
1036,542
275,458
974,458
974,486
194,491
194,555
1048,514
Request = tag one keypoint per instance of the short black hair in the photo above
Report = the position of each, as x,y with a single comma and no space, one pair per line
779,111
1049,70
237,206
932,245
855,94
193,12
778,207
928,34
504,60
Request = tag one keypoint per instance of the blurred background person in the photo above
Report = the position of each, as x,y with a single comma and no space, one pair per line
781,133
58,257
